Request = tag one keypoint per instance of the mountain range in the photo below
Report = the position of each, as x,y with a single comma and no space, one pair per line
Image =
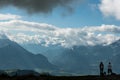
78,59
81,59
13,56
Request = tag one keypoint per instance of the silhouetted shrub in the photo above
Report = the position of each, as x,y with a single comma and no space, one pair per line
45,74
4,75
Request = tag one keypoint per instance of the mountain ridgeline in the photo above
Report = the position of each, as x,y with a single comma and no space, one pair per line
86,59
81,59
13,56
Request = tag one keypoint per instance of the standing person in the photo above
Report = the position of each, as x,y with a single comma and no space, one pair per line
101,66
109,69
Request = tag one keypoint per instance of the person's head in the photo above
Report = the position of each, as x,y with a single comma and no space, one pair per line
101,62
109,63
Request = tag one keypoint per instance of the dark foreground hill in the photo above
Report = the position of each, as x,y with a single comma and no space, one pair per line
48,77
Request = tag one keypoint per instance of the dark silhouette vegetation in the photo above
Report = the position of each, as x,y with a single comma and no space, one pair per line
32,75
51,77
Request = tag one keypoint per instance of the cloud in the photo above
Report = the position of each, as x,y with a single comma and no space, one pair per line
25,32
38,6
9,17
103,28
110,8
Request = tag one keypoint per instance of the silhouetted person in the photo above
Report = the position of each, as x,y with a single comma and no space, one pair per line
109,69
101,66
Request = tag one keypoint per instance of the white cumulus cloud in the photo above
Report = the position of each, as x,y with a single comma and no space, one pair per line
9,17
25,32
110,8
20,25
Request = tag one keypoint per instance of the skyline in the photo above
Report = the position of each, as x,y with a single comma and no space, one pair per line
76,16
66,23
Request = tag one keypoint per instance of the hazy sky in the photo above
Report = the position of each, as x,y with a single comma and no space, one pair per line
64,22
84,13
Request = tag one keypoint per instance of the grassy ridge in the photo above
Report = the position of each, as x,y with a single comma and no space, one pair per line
48,77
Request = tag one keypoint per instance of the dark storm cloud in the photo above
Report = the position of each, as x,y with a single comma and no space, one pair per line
37,6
